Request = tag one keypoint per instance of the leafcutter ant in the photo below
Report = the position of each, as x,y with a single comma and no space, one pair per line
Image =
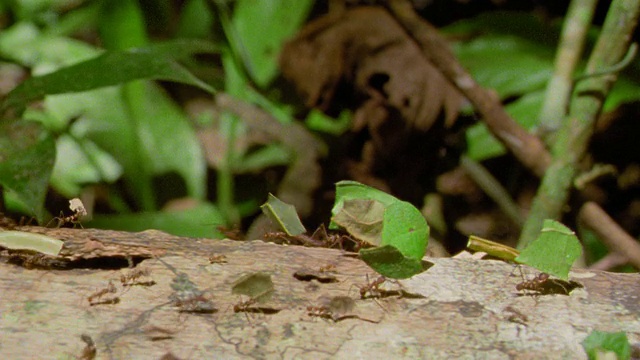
195,303
217,259
327,268
133,277
543,284
89,351
94,299
79,211
373,287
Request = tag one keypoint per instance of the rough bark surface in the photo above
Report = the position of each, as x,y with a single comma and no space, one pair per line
460,308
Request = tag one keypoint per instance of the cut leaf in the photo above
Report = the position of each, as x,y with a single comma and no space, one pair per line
599,343
284,215
20,240
257,286
389,261
362,219
554,251
349,190
27,155
406,229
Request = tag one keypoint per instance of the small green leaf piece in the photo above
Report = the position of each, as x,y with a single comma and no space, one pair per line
389,261
554,251
20,240
492,248
284,215
600,342
257,286
362,219
406,229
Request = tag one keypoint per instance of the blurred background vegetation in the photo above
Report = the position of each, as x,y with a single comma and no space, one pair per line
142,136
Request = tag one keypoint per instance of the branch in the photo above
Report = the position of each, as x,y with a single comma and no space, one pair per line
526,147
611,234
574,136
572,40
436,50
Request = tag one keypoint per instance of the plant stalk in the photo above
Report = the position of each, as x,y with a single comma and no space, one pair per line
573,138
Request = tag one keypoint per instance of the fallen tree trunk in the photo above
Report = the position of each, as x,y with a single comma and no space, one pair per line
458,308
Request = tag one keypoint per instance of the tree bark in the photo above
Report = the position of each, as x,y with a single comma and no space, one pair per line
458,308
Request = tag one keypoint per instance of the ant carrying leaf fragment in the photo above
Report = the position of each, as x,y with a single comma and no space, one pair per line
543,284
79,211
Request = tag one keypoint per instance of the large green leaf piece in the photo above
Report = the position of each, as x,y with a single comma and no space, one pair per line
284,215
20,240
554,251
381,219
159,62
350,190
389,261
363,219
406,229
27,155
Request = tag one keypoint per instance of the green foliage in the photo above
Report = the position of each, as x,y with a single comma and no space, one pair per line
599,343
554,251
197,221
514,56
158,62
262,27
380,219
284,215
19,240
27,154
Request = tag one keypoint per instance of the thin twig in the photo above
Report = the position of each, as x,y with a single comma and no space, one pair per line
526,147
611,234
493,189
435,49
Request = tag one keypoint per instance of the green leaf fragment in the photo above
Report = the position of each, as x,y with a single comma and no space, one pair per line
554,251
406,229
284,215
350,190
362,219
20,240
600,342
389,262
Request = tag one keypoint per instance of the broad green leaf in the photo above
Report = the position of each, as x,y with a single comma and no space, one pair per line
159,62
482,145
80,162
599,342
284,215
20,240
257,286
389,261
406,229
554,251
527,69
262,158
27,155
349,190
262,27
362,219
199,221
